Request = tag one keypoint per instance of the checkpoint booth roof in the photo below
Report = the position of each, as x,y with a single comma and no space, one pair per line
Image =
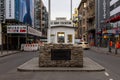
62,31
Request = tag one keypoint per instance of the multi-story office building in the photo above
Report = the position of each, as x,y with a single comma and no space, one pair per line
2,10
41,17
2,19
82,23
90,9
86,12
20,25
101,15
115,18
107,21
37,14
44,21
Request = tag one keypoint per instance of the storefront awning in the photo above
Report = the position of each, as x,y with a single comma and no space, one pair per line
114,19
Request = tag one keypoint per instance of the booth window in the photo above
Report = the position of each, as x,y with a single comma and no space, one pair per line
61,37
69,38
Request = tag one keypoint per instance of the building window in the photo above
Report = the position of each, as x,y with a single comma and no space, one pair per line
117,4
61,37
70,38
84,5
83,21
83,13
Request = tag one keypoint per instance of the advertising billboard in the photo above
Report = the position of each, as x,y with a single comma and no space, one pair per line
22,10
17,9
16,29
10,9
27,12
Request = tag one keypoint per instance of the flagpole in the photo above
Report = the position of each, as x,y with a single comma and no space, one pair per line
71,9
49,19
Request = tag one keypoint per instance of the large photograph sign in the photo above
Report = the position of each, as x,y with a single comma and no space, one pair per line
10,9
27,12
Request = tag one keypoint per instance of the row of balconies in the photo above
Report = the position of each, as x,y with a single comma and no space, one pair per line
2,11
88,17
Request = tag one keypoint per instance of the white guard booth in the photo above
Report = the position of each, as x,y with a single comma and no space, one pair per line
62,31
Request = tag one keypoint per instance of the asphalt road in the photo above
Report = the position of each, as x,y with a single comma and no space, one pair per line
9,64
110,62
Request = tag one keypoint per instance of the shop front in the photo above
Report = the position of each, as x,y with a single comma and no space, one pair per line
20,34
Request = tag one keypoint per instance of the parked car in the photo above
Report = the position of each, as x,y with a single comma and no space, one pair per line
84,45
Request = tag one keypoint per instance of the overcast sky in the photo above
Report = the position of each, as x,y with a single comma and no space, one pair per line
61,8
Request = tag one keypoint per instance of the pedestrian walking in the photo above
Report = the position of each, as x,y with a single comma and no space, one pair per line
117,46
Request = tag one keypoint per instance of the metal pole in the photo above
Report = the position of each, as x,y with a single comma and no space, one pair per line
109,42
27,34
18,41
1,38
49,19
71,9
7,43
116,44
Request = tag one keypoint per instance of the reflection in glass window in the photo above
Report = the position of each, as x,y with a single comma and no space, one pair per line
61,37
70,38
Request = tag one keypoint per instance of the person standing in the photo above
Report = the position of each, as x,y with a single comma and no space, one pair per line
110,45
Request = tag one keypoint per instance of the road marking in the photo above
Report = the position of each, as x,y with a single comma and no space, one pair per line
107,74
110,79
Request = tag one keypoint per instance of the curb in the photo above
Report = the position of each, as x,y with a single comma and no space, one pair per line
9,54
33,66
59,70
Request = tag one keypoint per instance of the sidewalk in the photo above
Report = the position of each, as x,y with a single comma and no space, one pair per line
105,50
6,53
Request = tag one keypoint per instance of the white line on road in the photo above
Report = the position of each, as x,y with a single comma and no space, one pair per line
107,74
110,79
